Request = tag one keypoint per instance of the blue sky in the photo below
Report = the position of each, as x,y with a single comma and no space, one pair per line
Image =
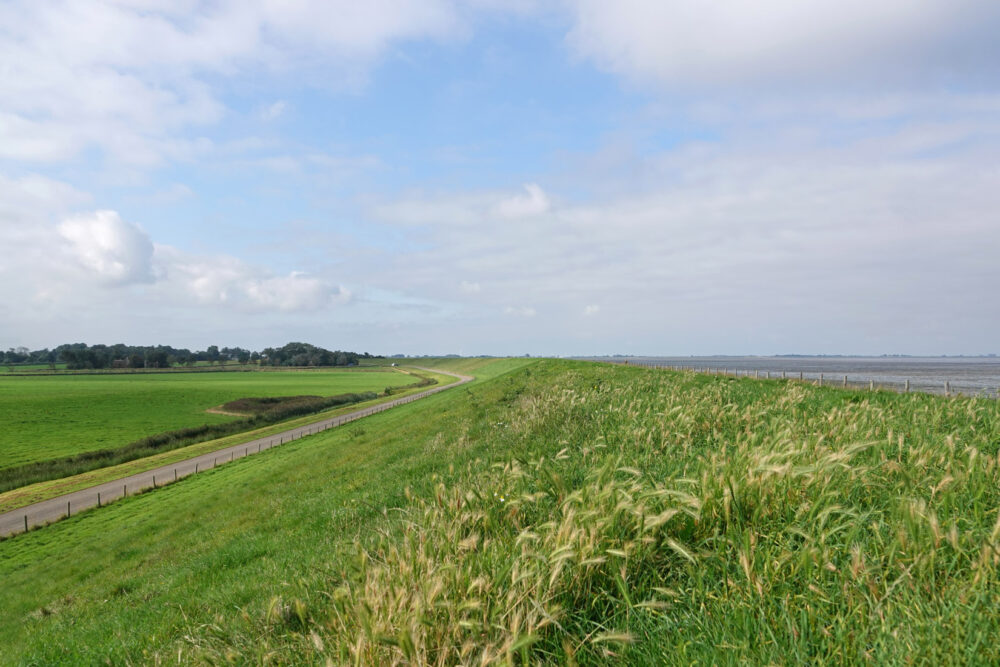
533,176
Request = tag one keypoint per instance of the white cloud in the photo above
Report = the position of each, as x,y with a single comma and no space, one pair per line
790,233
694,43
171,194
591,310
273,111
116,251
130,79
467,287
294,292
56,270
519,311
468,209
230,282
534,202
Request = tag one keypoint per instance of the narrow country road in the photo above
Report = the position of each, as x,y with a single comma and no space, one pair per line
47,511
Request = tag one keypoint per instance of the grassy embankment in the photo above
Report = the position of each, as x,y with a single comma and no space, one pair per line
560,511
50,488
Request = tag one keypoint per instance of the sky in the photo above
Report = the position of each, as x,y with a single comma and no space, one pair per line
545,177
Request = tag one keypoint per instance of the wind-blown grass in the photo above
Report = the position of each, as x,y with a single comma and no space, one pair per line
572,512
768,530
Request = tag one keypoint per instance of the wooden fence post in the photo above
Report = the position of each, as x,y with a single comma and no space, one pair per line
67,508
98,498
821,379
25,523
906,388
871,385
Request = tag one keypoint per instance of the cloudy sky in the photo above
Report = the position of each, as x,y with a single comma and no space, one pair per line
504,177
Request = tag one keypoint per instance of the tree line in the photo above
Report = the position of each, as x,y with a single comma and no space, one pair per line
80,356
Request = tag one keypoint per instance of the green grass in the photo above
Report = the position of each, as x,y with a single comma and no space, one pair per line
550,512
44,490
30,368
43,418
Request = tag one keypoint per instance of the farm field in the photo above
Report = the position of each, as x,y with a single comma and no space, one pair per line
551,511
46,417
35,492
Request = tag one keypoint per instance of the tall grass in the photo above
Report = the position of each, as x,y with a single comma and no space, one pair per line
689,519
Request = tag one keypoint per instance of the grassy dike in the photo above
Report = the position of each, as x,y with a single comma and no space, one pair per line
33,493
551,512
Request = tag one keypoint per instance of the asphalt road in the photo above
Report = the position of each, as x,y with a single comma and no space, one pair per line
47,511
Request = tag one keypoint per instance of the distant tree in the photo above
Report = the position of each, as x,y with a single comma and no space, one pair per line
157,358
83,356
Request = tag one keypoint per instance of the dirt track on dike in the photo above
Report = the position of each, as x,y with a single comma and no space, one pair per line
53,509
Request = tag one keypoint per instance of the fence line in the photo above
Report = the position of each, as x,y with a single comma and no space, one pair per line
854,381
44,512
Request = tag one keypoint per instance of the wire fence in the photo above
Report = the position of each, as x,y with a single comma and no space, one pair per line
855,381
47,511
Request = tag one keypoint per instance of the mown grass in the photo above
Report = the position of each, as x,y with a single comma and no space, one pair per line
33,493
279,409
44,418
559,512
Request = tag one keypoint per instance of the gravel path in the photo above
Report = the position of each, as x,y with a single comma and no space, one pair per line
47,511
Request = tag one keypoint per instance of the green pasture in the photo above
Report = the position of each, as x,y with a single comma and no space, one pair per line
552,512
53,416
44,490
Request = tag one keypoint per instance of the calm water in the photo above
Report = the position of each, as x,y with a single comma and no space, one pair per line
969,375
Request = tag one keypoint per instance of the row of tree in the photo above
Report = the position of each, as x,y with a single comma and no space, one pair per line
304,354
79,356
